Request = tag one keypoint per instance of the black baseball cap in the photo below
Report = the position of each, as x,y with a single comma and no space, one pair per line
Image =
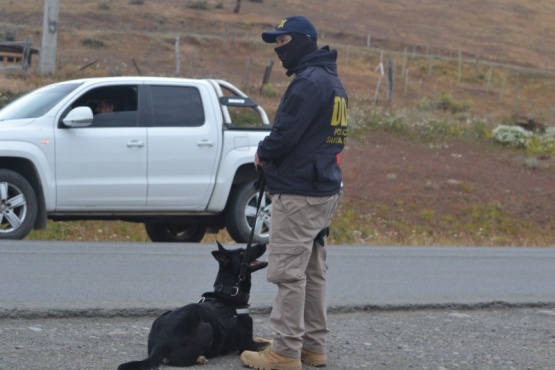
296,24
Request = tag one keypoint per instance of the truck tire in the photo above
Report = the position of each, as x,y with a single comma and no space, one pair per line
175,233
241,214
18,206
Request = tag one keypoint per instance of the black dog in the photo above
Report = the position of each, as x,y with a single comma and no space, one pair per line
217,324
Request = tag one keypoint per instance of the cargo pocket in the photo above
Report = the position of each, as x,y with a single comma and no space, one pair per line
318,211
286,263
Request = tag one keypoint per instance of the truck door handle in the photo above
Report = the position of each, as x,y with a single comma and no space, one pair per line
135,144
205,142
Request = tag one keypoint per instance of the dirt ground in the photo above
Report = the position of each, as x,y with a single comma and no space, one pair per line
466,340
450,185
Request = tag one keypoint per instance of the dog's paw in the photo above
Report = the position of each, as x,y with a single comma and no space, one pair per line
201,360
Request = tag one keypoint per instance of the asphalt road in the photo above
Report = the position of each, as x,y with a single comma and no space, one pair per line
107,279
90,305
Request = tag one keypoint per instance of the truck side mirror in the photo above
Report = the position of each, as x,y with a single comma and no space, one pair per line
79,117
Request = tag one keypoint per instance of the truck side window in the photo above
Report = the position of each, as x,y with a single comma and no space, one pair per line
177,106
112,106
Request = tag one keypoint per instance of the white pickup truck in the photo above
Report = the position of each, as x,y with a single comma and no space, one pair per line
160,151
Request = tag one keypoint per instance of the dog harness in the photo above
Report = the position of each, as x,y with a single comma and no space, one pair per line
223,309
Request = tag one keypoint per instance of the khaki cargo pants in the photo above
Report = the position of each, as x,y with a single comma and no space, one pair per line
298,266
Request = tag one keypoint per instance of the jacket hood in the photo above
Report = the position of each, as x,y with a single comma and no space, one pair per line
323,57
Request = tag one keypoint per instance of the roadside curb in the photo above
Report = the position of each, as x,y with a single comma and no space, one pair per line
261,310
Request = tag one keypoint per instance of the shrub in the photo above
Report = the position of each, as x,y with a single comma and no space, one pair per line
512,135
446,102
137,2
7,98
518,137
93,43
199,5
269,90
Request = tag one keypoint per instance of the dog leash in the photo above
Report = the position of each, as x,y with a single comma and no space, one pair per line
258,184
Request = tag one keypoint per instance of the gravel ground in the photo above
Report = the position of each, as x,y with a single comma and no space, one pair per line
517,338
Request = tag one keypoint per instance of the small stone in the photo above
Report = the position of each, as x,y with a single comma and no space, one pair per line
460,315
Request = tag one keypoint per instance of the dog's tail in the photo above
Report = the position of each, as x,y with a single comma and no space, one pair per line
152,362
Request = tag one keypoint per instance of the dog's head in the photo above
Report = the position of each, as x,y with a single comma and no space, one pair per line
230,260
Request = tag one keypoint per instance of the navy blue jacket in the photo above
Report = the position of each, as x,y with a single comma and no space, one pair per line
309,130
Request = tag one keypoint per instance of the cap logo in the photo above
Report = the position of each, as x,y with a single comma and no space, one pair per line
282,23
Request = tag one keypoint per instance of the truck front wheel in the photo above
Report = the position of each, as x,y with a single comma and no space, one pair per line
18,206
241,215
175,233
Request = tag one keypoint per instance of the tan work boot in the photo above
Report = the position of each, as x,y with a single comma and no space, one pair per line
316,359
270,360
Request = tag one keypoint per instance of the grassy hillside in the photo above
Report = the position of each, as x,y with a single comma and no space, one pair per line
423,38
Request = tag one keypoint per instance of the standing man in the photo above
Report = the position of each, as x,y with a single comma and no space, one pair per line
300,163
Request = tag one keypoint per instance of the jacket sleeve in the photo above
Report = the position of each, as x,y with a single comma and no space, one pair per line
295,113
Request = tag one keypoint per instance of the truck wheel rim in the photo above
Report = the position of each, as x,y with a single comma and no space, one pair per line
262,217
13,207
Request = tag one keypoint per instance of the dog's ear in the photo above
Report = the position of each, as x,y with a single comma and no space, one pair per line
220,247
220,257
221,254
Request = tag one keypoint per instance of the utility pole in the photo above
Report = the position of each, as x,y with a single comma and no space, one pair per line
49,36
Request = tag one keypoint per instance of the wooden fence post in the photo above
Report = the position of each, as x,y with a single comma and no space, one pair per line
247,72
502,92
390,79
406,81
430,64
403,69
136,67
27,53
517,96
177,57
460,64
192,64
381,70
267,73
490,76
237,6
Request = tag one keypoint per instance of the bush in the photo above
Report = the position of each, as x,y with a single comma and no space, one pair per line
518,137
104,6
269,90
7,98
512,135
199,5
446,102
93,43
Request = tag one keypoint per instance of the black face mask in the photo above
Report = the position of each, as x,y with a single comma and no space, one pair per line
291,53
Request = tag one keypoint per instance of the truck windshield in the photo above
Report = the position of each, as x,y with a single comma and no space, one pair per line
37,102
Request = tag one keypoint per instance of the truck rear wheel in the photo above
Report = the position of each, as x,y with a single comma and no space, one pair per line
175,233
18,206
241,215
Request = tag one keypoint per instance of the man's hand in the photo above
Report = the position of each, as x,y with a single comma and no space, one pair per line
257,161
